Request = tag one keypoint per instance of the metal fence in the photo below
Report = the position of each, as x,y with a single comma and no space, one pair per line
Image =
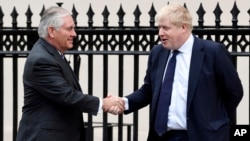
106,41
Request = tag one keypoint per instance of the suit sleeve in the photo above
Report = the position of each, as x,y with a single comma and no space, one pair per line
143,96
228,78
46,77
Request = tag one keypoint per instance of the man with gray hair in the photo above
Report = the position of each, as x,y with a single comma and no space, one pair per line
53,99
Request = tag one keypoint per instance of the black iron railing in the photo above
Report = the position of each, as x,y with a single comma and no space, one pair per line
106,41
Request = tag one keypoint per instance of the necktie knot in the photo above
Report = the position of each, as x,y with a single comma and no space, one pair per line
62,55
175,52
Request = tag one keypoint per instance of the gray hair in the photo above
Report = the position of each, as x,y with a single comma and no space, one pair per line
52,17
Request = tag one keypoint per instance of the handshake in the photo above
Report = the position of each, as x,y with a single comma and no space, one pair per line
113,104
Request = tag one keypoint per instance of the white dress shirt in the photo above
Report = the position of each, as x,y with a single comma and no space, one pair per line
177,109
178,106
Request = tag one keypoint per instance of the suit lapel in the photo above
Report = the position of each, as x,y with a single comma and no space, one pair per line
67,71
195,69
163,57
70,74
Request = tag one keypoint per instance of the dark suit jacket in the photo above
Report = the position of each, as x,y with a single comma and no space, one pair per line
53,100
214,91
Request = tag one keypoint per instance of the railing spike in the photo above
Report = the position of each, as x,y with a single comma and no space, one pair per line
235,12
14,15
90,15
29,15
121,14
74,14
105,14
152,12
201,12
217,12
137,14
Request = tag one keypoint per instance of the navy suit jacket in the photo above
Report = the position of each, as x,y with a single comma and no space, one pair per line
214,90
53,99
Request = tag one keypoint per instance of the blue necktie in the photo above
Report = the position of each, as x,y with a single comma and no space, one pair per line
165,97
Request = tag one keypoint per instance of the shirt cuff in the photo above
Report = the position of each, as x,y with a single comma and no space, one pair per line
126,103
100,106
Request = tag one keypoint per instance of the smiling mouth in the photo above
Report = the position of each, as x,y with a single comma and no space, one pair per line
70,40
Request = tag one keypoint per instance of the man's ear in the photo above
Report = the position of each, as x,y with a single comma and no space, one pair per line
184,27
51,31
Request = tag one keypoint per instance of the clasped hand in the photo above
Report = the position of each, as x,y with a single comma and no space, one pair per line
113,104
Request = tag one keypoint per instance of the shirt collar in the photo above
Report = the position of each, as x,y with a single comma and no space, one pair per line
188,45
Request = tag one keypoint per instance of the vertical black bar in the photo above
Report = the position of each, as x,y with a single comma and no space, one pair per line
15,86
136,77
1,89
120,84
90,89
15,44
15,96
105,86
235,11
234,49
153,41
89,133
110,133
128,132
76,58
77,63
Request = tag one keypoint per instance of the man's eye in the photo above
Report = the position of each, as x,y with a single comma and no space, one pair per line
70,28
